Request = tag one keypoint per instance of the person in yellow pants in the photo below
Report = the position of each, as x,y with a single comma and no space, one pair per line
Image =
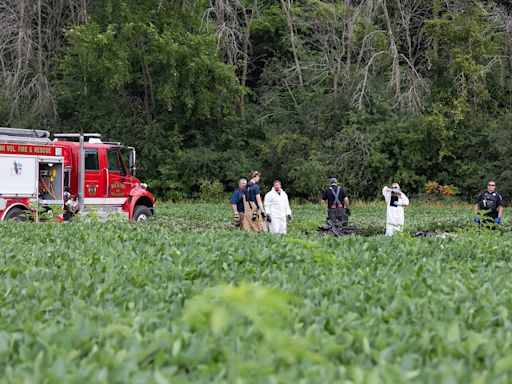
254,216
237,203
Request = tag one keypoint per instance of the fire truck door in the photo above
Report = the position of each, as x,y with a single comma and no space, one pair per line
95,187
118,178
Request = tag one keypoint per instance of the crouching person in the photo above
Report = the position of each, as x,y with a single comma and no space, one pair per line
395,202
277,208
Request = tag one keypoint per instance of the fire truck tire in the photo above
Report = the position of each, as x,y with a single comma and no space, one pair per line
16,214
141,213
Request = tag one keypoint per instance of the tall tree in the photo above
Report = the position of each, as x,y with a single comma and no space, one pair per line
31,34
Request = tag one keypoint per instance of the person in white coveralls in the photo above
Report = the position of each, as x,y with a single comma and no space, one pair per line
395,202
277,208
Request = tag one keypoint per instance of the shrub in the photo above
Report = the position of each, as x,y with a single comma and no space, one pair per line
432,187
211,191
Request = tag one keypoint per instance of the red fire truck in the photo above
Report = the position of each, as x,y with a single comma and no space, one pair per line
76,172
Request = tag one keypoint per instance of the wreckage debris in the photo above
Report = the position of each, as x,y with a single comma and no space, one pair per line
424,234
342,228
431,234
338,228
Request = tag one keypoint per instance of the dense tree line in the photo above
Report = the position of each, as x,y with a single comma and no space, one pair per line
366,91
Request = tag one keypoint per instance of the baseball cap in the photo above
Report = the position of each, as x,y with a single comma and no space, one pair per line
334,181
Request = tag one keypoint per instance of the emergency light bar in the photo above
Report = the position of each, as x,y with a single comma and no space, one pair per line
24,136
76,135
30,133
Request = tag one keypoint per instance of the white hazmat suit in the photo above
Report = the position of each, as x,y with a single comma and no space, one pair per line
277,207
395,218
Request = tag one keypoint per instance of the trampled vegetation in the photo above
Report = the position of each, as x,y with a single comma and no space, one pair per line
185,298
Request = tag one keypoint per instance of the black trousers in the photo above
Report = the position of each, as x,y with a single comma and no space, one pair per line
489,220
337,214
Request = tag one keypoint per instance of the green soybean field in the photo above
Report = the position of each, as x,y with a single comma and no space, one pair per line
186,298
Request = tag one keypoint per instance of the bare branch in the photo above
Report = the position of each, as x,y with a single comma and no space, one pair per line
31,33
287,8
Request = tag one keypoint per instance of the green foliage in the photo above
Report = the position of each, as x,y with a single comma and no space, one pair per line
185,298
426,97
291,156
152,85
211,191
255,313
368,148
269,32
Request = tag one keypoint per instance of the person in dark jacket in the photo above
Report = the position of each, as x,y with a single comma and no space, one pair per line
237,203
488,205
254,216
337,202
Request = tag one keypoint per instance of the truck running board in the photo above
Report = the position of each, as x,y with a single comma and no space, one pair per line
102,214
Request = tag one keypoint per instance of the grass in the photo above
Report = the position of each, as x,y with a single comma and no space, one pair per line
306,218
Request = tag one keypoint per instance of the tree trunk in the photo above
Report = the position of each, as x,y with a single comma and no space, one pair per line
287,8
396,76
245,49
149,98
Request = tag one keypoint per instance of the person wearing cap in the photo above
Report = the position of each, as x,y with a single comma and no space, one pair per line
237,203
277,208
396,200
254,216
337,202
490,203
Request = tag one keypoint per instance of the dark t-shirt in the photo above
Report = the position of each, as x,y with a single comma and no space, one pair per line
489,201
251,192
238,199
328,195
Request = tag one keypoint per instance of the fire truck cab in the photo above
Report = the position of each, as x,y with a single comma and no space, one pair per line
76,172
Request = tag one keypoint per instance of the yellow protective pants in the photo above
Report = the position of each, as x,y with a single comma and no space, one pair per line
253,219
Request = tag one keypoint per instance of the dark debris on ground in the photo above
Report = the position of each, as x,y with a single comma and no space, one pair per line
338,228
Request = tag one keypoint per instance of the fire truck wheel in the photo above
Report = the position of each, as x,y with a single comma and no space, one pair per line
16,214
141,213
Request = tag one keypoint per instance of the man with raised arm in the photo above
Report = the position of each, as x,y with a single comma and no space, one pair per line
396,200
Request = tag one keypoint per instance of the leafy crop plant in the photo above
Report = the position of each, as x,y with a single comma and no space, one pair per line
186,298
